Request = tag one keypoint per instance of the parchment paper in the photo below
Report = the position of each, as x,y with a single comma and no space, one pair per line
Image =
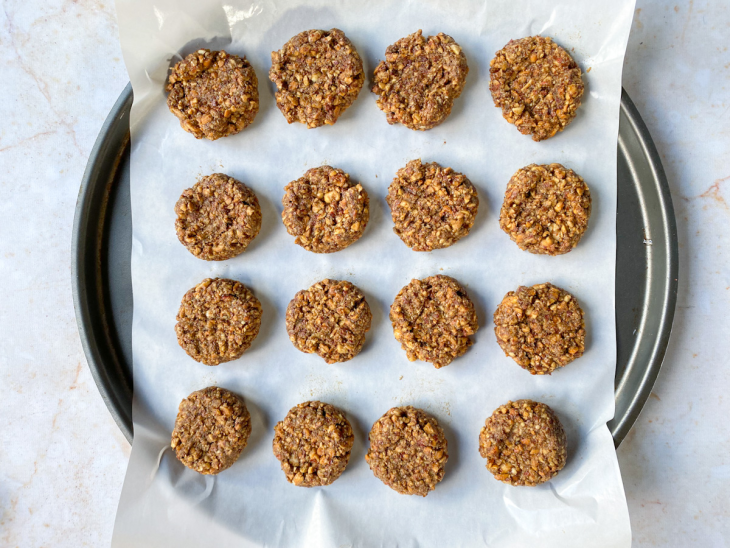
251,504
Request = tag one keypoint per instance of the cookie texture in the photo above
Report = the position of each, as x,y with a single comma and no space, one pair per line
432,207
419,80
537,84
218,320
211,430
540,327
433,319
324,210
330,318
318,74
524,443
313,444
408,451
546,209
217,218
213,93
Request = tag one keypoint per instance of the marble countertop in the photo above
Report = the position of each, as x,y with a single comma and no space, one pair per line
62,457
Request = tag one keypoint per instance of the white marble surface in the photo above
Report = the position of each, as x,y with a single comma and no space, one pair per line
62,458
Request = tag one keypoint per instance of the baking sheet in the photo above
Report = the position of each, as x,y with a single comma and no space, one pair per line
251,504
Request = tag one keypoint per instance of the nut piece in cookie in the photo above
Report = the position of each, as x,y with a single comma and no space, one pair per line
330,318
433,319
217,218
324,210
524,443
540,327
211,430
408,451
217,321
318,74
432,207
417,83
313,444
213,93
537,85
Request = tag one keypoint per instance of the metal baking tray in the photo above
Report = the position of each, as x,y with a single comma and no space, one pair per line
646,266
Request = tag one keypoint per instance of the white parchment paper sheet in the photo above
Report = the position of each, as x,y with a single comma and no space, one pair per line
251,504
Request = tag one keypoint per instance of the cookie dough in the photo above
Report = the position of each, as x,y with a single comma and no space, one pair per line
433,320
217,218
211,430
524,443
540,327
432,207
313,444
217,321
324,210
213,93
318,74
408,451
417,83
330,318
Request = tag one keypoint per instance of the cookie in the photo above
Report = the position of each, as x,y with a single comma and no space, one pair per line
217,321
217,218
524,443
537,85
213,93
330,318
419,80
432,207
540,327
318,74
211,430
408,451
324,210
433,320
313,444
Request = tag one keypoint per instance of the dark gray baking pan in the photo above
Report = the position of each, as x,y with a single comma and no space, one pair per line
646,266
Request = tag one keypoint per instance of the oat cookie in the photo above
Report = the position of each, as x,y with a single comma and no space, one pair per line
330,318
217,321
408,451
324,210
318,74
432,207
213,93
217,218
419,80
313,444
546,209
524,443
211,430
540,327
433,320
537,85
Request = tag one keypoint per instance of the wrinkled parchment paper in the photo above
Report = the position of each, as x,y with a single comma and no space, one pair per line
251,504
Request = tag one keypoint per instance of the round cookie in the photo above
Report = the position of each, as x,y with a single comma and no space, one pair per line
313,444
211,430
217,321
537,84
330,318
324,210
217,218
540,327
419,80
213,93
408,451
318,75
432,207
546,209
524,443
433,319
